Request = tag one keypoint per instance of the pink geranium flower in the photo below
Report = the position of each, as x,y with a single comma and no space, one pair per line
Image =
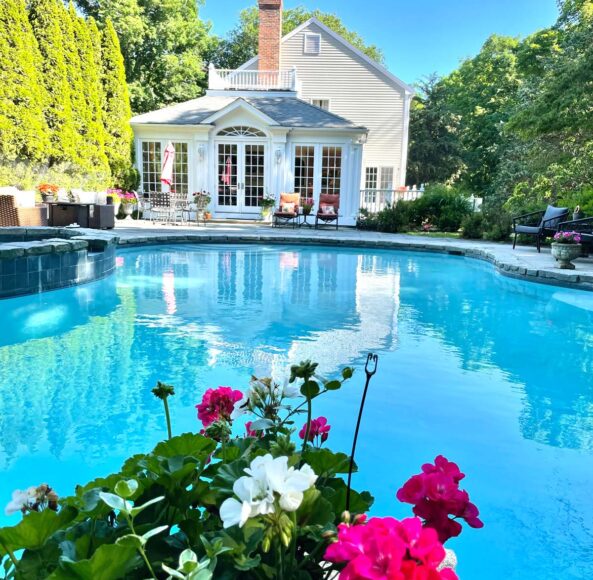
217,404
319,430
435,495
385,549
251,432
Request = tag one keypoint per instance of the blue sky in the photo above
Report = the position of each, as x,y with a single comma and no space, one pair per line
417,36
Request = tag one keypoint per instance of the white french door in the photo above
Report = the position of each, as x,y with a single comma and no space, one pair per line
240,177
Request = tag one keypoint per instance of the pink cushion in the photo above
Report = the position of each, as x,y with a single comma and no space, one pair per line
287,208
328,209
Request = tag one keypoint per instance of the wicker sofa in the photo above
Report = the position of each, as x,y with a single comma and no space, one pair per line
12,215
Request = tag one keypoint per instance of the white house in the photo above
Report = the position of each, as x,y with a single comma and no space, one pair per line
310,114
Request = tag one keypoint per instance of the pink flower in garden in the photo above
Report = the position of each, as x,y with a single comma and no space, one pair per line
250,431
385,549
319,428
435,495
217,404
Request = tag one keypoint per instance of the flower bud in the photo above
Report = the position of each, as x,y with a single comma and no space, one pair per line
346,517
328,535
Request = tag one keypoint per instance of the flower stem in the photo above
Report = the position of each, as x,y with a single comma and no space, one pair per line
140,548
309,417
10,554
168,417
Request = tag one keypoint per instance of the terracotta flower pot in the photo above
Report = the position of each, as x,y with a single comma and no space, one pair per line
565,254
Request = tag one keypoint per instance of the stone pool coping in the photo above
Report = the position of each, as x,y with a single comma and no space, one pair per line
37,259
523,263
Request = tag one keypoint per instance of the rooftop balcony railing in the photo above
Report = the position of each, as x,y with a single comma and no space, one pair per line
253,80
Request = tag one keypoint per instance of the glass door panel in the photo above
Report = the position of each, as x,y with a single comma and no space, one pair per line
254,176
228,175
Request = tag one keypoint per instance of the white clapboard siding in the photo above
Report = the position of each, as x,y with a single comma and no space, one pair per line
356,91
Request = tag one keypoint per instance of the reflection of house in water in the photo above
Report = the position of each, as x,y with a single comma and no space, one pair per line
260,307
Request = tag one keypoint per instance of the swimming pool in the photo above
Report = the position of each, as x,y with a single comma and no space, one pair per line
492,372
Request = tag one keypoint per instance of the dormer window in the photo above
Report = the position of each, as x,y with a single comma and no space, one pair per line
312,44
321,103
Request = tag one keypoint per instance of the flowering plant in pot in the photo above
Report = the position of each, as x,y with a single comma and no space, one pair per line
47,191
202,199
566,246
307,206
255,494
267,204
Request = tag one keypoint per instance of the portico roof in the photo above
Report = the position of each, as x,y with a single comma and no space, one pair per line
284,111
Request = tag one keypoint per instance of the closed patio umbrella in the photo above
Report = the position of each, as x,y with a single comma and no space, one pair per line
167,168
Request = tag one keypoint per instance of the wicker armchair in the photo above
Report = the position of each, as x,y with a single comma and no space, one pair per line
13,216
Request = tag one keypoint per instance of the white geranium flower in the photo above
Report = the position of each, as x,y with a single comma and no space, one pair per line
20,499
241,407
291,501
291,390
267,479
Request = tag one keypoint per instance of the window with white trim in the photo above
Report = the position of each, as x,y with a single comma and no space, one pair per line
312,44
241,131
304,170
331,170
151,166
370,179
321,103
387,178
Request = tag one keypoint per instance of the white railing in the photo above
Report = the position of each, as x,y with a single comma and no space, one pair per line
253,80
374,200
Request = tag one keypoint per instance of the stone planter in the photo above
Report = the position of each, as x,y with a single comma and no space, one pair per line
565,254
266,215
48,197
128,209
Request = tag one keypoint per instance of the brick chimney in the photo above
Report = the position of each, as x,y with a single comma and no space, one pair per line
270,34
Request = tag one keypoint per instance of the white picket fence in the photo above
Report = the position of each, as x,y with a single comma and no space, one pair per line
374,200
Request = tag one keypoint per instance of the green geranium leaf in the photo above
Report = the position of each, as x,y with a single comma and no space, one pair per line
115,502
173,573
335,493
326,463
137,509
188,444
227,474
131,541
109,561
154,532
126,488
315,509
35,529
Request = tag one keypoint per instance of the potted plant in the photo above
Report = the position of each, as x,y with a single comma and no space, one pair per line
128,203
201,202
566,246
48,191
267,205
307,205
115,194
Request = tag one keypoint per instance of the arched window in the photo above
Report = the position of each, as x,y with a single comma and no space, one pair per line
241,131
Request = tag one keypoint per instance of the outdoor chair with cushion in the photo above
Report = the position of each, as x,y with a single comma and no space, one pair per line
288,209
13,216
540,224
329,209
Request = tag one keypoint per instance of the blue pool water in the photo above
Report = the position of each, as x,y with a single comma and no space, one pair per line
494,373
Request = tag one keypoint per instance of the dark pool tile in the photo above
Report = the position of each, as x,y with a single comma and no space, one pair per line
8,267
33,264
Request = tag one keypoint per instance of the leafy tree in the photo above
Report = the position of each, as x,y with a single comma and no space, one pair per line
435,151
116,104
88,43
45,17
162,44
242,42
23,129
483,92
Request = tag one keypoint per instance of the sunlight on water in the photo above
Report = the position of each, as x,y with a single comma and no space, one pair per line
492,372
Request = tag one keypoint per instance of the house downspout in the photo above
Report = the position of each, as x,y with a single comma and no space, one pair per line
405,138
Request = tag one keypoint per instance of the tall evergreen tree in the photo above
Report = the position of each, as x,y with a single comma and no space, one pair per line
116,104
23,130
45,17
89,55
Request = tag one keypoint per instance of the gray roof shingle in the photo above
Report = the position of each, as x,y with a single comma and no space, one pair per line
286,111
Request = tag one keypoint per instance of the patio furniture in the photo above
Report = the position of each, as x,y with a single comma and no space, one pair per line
13,216
288,210
329,209
160,206
540,224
